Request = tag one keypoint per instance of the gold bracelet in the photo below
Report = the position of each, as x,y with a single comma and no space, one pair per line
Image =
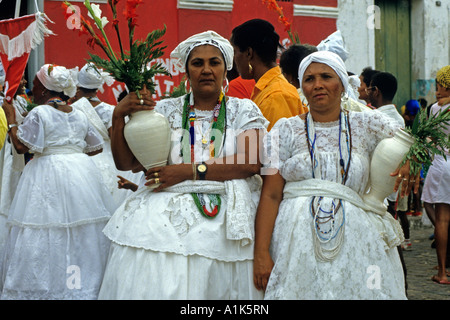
194,171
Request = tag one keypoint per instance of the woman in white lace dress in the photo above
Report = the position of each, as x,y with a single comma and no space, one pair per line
164,246
55,248
311,241
99,113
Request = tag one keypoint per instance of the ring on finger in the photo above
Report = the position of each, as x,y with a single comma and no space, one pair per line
141,101
405,179
399,175
156,175
156,180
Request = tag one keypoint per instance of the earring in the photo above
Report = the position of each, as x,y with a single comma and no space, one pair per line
225,88
250,68
187,86
344,97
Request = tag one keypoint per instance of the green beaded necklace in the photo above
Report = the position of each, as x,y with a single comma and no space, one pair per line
188,142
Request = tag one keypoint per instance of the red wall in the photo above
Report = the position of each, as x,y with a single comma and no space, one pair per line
69,49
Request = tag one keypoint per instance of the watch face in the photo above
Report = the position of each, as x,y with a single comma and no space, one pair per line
201,168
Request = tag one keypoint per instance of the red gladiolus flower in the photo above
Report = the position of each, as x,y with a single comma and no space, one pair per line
91,42
83,30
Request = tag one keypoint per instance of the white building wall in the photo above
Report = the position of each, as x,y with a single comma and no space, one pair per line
430,33
430,37
357,29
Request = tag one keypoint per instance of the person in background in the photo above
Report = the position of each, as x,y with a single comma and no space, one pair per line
55,249
365,77
256,45
289,62
90,81
436,189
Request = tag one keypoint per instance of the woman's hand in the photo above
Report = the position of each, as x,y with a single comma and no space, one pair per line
168,175
406,180
133,103
126,184
262,267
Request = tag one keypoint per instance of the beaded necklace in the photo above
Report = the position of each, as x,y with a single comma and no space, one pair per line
215,142
321,216
55,102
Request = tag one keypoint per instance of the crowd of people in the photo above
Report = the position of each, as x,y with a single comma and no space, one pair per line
262,195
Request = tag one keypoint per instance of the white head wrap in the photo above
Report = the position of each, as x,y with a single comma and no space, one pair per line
58,79
90,77
330,59
334,43
182,51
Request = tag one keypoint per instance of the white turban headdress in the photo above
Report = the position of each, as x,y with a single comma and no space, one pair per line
90,77
330,59
58,79
182,51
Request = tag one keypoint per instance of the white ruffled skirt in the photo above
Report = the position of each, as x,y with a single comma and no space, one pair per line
55,248
163,248
365,268
140,274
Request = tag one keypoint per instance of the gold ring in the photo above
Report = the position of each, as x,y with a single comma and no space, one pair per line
156,175
156,180
399,175
405,179
141,101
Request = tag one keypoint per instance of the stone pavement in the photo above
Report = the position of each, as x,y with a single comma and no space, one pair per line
420,262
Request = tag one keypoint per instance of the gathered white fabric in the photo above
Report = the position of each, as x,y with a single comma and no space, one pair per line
334,43
91,77
240,212
58,79
329,58
389,228
86,107
182,51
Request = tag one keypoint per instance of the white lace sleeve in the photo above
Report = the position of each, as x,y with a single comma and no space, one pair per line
248,115
94,140
278,144
31,131
377,125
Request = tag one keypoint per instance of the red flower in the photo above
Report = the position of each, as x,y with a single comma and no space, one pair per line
91,42
83,30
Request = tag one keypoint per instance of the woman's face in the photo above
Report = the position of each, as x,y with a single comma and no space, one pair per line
362,90
441,92
206,70
38,90
322,87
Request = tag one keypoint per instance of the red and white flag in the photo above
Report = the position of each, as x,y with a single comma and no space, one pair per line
17,38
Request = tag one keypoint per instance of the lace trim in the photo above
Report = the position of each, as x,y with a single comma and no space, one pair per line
58,224
182,253
93,148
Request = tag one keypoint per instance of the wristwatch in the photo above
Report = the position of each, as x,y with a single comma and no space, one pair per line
12,125
201,170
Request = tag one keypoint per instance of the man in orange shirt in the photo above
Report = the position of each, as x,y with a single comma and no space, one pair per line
255,44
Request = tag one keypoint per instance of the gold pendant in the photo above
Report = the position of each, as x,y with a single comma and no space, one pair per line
204,141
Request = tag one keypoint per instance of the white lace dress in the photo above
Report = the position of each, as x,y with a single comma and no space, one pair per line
55,248
100,117
436,188
164,248
368,265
